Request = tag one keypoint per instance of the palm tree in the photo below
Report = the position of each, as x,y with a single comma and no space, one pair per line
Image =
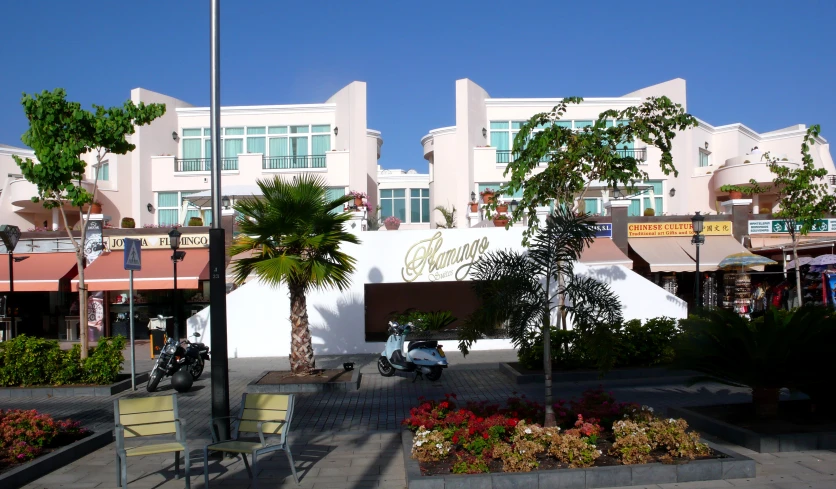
294,235
522,290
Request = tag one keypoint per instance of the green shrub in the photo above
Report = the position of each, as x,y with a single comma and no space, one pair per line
25,361
648,344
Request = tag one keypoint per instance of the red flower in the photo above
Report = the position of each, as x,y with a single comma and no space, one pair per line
485,435
444,404
472,430
479,420
456,439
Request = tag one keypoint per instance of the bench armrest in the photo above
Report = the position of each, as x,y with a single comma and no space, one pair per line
260,425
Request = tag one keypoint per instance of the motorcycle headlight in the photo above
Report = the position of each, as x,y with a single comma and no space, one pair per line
171,349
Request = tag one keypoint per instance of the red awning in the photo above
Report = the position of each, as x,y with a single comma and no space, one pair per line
108,273
604,252
39,272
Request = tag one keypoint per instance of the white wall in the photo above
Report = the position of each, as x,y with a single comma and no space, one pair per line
258,315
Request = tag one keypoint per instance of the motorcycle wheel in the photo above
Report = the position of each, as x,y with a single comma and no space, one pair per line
196,368
435,373
154,379
384,367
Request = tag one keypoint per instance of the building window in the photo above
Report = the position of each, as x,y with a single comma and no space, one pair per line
590,206
502,138
393,203
334,193
419,205
103,172
169,205
704,158
495,186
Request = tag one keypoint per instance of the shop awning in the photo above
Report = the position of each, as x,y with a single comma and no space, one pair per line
603,252
712,251
677,254
39,272
663,254
108,273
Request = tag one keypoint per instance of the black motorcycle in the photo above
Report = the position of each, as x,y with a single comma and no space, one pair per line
174,356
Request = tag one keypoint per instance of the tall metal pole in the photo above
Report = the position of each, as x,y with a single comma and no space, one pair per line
176,302
9,304
131,325
217,252
698,298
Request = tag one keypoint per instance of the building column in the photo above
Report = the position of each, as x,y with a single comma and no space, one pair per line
56,218
739,211
618,210
473,218
357,223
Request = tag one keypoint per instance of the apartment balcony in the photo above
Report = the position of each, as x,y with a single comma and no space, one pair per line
294,163
741,169
505,156
21,191
203,164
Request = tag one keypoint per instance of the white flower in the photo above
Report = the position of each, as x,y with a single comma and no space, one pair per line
599,452
650,409
419,443
528,431
671,420
438,445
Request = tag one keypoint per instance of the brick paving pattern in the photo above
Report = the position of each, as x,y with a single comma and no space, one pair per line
352,440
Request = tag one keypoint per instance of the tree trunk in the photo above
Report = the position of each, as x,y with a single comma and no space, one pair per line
547,370
797,271
301,348
82,305
765,400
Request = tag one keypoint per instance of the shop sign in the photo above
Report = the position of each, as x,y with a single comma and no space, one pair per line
160,242
661,229
427,257
780,226
603,230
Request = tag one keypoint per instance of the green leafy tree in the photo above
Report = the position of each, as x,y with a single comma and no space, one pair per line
803,194
571,160
60,132
449,216
295,240
522,291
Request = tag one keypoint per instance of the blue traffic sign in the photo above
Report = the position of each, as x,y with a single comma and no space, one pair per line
133,254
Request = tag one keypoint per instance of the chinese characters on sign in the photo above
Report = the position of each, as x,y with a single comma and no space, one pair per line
780,226
659,229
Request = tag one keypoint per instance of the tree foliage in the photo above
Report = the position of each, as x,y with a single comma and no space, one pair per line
449,216
61,132
571,159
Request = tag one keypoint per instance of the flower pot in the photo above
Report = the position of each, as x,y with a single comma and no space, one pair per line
95,208
735,194
474,207
392,226
127,223
500,221
358,201
195,221
487,198
502,208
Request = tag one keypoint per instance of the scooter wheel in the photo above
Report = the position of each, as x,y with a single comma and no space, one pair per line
435,374
384,367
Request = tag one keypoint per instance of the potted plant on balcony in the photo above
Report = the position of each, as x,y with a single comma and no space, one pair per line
96,207
392,223
474,207
487,195
127,223
500,220
502,207
195,221
737,191
359,197
649,212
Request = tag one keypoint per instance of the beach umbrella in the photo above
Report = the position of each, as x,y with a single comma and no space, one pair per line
827,259
803,260
744,260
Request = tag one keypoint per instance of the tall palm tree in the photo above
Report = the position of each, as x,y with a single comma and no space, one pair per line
523,290
294,234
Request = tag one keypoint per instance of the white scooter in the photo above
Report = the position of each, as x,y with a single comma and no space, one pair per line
424,357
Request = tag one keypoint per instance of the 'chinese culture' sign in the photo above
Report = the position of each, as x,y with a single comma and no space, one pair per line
659,229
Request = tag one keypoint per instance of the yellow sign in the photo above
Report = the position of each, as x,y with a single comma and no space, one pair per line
425,257
659,229
160,242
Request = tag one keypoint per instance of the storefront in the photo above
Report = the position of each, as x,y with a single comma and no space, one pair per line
395,270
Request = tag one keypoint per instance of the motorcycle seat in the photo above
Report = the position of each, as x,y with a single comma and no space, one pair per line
432,344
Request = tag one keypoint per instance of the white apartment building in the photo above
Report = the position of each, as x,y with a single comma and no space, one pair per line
172,157
473,154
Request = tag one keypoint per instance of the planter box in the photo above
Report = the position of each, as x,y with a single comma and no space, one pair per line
645,375
41,466
763,443
352,385
734,466
73,391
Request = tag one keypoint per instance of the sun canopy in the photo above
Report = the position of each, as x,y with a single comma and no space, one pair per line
108,273
40,272
602,252
235,192
677,254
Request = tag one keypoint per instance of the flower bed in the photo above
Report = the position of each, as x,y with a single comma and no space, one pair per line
592,431
25,435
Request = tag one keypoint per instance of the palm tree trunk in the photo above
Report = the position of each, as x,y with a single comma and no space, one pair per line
301,348
547,370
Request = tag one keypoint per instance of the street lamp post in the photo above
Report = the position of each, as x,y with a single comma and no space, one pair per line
174,241
698,239
10,235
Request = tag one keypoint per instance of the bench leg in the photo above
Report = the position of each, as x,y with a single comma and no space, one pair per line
176,465
255,471
118,471
290,460
206,467
188,464
247,465
124,470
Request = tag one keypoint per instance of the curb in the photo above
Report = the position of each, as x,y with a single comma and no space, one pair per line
735,466
353,385
628,376
72,391
66,455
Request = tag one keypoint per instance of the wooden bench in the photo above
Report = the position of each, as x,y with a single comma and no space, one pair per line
145,417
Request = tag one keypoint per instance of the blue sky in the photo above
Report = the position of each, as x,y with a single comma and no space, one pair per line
767,64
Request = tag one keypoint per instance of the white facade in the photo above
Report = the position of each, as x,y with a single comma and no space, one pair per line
474,153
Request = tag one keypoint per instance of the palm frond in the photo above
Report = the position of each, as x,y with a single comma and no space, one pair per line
449,217
561,242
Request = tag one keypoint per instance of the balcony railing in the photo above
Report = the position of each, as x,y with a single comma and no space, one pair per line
293,162
203,164
831,179
505,156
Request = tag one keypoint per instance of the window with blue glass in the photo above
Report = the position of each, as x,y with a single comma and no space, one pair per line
103,171
495,186
334,193
393,203
419,205
704,158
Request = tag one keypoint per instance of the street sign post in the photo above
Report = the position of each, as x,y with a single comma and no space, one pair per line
132,261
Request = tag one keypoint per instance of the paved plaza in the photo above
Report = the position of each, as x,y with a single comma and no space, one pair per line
352,439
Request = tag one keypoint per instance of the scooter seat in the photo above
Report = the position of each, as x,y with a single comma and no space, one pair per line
432,344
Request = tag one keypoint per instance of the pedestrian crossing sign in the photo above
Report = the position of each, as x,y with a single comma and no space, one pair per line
133,254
